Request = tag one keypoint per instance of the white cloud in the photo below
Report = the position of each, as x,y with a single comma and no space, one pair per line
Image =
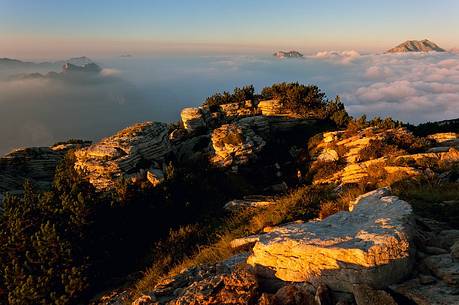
344,57
412,87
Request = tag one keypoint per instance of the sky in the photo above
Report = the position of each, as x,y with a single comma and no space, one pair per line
51,28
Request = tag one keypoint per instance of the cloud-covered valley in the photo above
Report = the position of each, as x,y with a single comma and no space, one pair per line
412,87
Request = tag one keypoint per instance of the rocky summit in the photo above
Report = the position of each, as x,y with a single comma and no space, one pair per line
416,46
119,156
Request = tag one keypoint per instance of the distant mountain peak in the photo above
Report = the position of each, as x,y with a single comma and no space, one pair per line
89,67
289,54
416,46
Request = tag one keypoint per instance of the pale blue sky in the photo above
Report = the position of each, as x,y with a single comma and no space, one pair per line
50,27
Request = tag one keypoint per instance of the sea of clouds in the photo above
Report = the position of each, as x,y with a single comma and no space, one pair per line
412,87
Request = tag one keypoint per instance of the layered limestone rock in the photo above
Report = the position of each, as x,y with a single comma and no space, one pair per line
345,152
371,245
235,144
273,108
445,138
193,119
246,108
36,164
124,155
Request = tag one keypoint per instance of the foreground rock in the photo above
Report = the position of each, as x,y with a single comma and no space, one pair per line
371,245
127,154
227,282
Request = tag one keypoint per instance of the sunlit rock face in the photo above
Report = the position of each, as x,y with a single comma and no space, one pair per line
246,108
235,144
193,119
339,147
371,244
124,155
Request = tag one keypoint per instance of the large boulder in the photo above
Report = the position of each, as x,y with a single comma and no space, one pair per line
370,245
124,155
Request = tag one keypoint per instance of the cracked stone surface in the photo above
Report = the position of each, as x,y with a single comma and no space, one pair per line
371,245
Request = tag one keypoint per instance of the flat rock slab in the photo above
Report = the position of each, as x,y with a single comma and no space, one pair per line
371,245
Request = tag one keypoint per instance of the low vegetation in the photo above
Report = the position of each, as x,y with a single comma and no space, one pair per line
306,101
209,242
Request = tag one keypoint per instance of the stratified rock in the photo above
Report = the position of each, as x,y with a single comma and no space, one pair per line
273,108
193,119
365,295
36,164
447,139
124,154
370,245
235,145
231,110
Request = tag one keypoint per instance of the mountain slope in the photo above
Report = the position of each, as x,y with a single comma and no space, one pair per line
416,46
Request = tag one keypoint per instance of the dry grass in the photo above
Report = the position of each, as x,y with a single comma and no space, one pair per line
201,244
439,201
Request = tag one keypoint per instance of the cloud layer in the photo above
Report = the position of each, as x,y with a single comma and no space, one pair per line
409,87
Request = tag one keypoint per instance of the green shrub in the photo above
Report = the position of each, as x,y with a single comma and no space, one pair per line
238,95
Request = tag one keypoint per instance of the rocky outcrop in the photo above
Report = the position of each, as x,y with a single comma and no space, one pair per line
36,164
416,46
445,138
273,108
344,151
220,283
371,245
246,108
235,144
124,155
193,119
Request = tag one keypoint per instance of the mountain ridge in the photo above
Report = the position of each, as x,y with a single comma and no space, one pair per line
416,46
